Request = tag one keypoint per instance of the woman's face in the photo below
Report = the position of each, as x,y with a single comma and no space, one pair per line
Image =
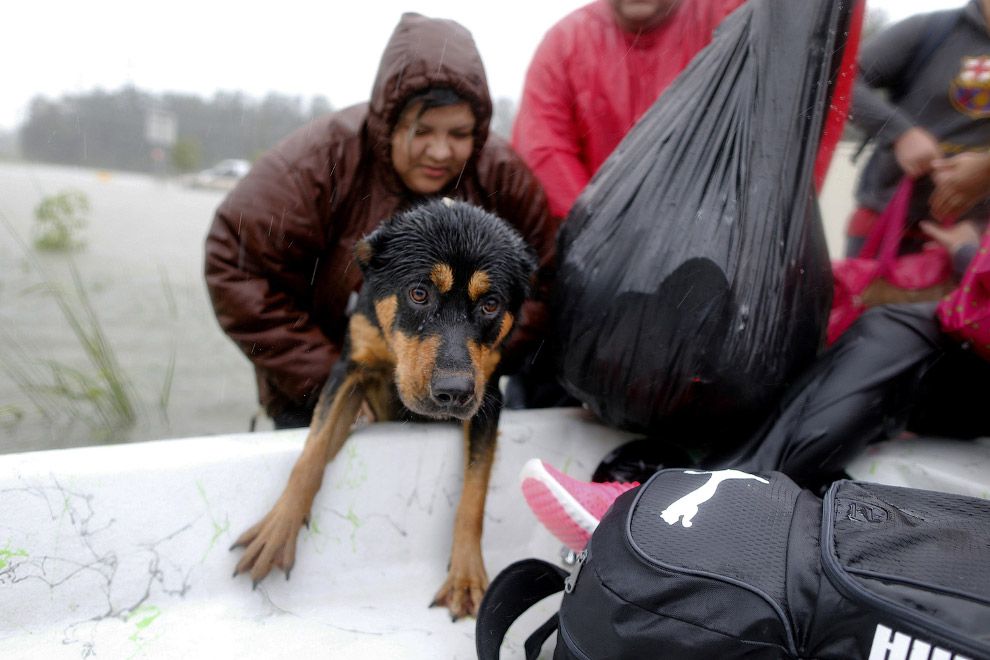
430,152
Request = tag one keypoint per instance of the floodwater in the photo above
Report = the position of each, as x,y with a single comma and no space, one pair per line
141,268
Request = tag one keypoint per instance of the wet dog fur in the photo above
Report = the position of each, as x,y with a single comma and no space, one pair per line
443,286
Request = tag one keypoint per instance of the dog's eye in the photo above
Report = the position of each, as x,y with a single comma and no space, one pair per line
490,306
418,295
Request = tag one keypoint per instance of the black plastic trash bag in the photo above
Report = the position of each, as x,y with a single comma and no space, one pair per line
694,276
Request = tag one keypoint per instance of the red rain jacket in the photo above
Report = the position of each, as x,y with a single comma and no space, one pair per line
590,81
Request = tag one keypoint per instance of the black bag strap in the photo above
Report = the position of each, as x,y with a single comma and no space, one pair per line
513,591
534,643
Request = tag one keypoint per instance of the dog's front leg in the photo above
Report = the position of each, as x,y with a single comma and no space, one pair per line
466,578
272,542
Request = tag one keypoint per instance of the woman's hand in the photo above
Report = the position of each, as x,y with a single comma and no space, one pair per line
961,182
915,150
954,237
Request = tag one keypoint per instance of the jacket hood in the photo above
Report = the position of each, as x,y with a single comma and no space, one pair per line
422,53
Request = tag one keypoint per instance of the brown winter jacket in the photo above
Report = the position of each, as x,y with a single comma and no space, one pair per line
278,255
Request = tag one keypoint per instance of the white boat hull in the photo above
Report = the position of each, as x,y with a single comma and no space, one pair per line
121,551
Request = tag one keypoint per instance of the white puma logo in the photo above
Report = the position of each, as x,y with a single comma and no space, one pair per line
686,507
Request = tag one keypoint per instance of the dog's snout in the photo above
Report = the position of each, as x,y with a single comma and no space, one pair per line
452,390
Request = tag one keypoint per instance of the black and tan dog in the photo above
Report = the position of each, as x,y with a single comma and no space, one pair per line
443,285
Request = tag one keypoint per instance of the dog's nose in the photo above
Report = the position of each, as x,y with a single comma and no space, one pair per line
452,391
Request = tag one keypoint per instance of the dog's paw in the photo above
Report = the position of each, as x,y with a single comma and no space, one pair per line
462,592
272,542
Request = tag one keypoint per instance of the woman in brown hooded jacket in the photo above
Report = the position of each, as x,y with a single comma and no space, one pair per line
278,255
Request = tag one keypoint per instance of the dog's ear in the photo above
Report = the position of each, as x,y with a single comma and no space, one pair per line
370,250
533,265
363,253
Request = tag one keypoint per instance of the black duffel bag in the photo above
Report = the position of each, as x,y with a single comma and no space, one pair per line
704,565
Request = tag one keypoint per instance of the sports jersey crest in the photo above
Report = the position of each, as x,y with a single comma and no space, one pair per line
970,91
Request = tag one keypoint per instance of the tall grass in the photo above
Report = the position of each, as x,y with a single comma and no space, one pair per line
173,311
59,218
103,391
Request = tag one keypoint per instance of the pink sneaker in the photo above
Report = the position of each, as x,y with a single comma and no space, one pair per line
568,507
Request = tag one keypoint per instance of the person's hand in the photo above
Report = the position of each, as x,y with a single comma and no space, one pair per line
960,182
915,150
954,237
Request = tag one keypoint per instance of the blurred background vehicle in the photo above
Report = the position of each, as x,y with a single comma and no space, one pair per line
222,176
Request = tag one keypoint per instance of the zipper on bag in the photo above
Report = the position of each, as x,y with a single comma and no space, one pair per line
571,579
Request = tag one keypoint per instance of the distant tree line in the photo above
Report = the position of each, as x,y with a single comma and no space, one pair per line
109,129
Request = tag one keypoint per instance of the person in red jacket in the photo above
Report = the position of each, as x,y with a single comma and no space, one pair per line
596,72
594,75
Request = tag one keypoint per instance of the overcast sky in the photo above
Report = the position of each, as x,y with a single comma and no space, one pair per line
294,47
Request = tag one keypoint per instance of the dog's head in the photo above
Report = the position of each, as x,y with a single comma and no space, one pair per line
446,280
